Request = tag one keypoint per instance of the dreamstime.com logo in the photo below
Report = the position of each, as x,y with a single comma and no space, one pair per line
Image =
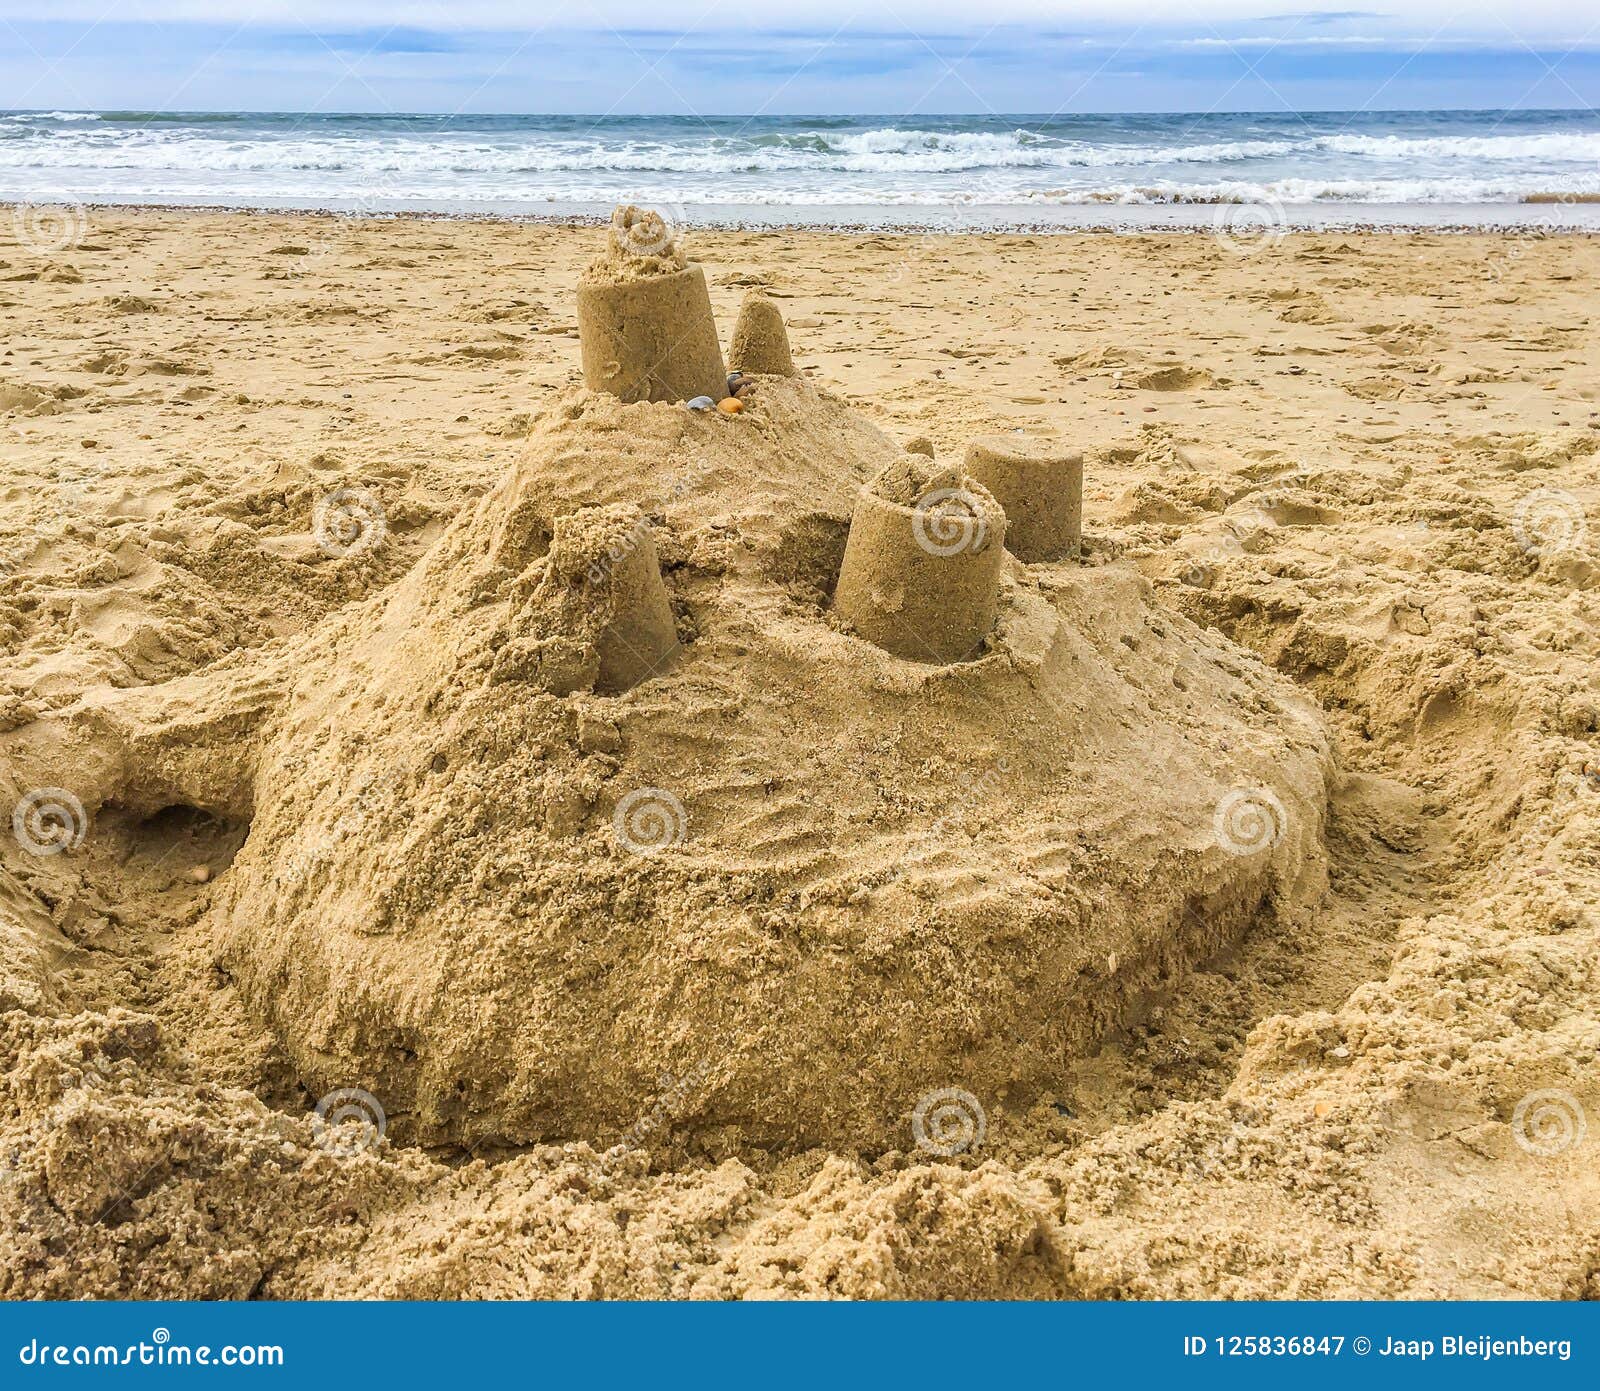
1249,819
1548,1123
1243,229
948,1122
1548,521
347,1122
48,821
649,231
1201,566
349,522
160,1351
48,229
649,820
948,521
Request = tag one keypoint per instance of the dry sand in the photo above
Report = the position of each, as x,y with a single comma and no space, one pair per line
1230,919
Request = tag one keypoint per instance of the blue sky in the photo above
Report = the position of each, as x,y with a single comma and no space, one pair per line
810,56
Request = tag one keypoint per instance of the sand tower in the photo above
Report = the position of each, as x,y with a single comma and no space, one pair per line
921,570
644,317
760,343
602,604
1041,489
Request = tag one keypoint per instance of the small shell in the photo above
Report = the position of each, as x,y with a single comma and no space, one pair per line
730,405
700,403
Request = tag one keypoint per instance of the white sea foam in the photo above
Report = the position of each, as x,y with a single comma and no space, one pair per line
948,162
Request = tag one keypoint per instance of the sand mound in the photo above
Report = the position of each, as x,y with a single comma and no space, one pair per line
798,881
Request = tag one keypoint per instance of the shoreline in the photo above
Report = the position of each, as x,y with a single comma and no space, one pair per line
1555,216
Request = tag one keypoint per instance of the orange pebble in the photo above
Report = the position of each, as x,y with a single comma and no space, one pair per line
730,405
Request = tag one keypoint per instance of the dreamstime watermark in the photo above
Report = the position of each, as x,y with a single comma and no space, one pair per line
159,1351
1250,225
649,820
353,815
601,568
1507,250
650,231
348,1121
1548,1123
948,1122
926,245
51,227
349,521
1200,567
1549,521
1249,820
49,821
948,521
976,788
671,1103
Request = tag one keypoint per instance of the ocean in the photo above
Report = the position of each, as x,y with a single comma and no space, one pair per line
1474,166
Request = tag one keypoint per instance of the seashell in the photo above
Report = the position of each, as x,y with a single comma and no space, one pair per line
700,403
730,405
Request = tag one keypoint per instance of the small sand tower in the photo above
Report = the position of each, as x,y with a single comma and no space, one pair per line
921,570
760,343
1041,490
644,317
599,618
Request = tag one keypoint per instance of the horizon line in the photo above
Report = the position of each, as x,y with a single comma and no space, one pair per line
799,115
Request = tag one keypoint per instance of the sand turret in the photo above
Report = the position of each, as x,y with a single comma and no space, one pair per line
598,618
644,317
921,569
760,343
1040,486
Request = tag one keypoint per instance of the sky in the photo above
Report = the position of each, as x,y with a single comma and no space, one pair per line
799,56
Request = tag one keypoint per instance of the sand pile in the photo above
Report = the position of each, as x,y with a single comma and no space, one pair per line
817,880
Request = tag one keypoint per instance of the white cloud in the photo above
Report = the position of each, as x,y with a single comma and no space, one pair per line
1528,18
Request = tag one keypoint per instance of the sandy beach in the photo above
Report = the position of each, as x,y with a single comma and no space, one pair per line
1341,539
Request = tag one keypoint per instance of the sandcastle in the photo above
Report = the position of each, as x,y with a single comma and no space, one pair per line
625,790
1041,490
760,343
921,570
644,317
598,619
